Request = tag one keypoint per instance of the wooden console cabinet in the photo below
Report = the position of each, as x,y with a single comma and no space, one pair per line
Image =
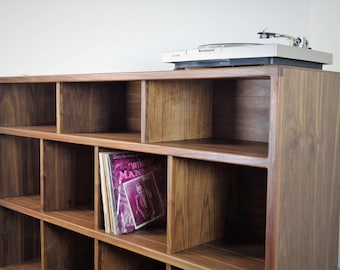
253,168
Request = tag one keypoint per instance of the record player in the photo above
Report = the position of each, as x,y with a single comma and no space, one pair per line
298,53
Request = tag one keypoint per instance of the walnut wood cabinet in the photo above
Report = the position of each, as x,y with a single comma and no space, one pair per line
253,168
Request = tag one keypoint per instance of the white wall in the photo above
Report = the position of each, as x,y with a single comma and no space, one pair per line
324,29
74,36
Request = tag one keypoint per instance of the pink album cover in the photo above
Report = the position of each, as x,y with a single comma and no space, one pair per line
143,199
125,170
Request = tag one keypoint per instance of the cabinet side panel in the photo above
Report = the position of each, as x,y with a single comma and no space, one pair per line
178,110
308,169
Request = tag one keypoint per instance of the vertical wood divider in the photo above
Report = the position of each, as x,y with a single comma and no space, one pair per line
339,245
96,254
143,110
58,107
42,176
97,196
272,216
42,248
170,203
42,203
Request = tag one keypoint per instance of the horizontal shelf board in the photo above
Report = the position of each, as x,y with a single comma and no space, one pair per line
79,220
29,131
238,152
35,265
50,133
202,73
147,242
131,137
235,152
81,217
255,149
218,255
28,205
213,255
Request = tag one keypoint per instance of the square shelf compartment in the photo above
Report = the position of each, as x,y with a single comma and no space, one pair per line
68,181
27,104
132,166
228,115
231,221
66,250
114,258
20,240
101,107
19,166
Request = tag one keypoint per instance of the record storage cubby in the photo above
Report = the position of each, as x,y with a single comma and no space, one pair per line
250,153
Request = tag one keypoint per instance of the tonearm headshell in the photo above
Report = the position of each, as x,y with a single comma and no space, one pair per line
301,42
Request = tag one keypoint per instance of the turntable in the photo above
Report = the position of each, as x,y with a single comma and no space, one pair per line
241,54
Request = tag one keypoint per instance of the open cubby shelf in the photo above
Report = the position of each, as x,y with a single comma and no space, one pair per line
251,159
32,265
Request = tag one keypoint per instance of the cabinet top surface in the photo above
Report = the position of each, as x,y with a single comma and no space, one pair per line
208,73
